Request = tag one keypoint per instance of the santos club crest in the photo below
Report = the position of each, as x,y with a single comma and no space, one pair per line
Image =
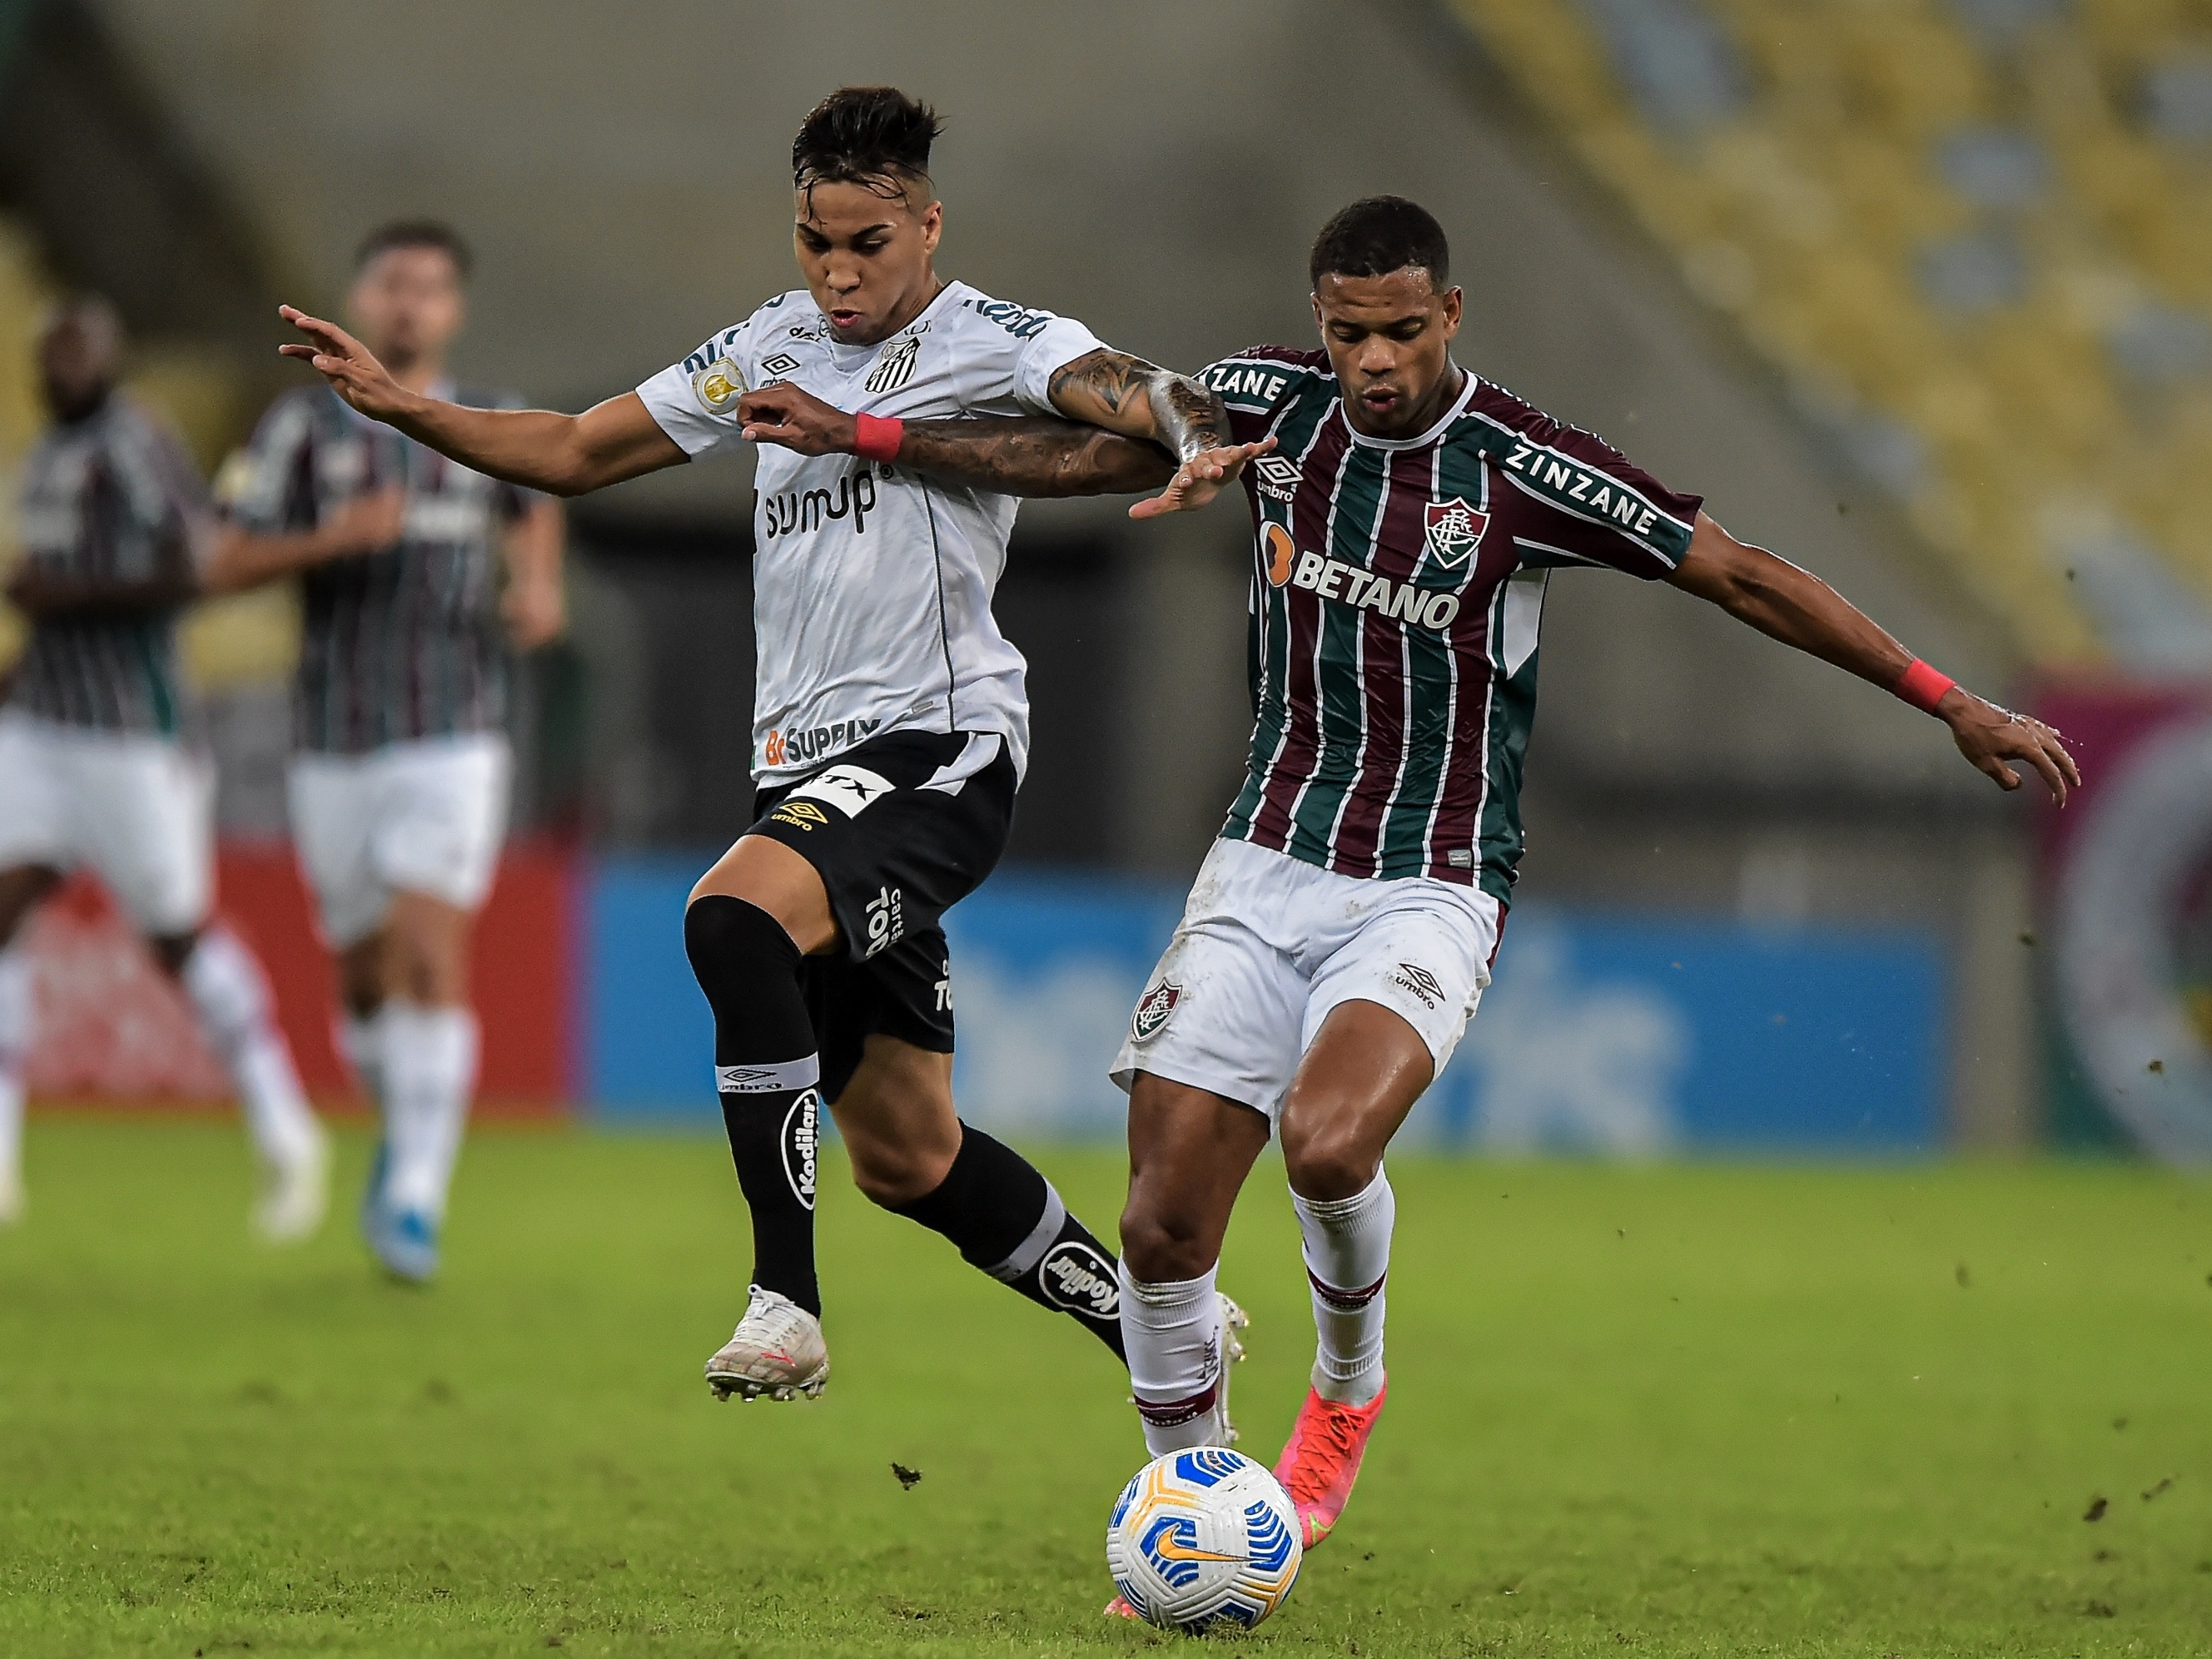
1454,529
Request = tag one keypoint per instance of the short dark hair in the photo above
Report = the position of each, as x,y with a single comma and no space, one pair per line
1378,234
416,233
870,136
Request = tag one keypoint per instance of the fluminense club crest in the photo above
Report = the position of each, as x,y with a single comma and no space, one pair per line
1153,1009
1454,528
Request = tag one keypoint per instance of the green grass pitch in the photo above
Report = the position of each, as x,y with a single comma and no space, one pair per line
1670,1411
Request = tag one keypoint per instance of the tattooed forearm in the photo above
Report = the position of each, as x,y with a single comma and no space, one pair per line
1033,456
1191,417
1112,380
1128,395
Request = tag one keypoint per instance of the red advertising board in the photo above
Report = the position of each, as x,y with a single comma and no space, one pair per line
111,1027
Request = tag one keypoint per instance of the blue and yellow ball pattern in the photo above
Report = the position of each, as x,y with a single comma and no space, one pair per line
1203,1538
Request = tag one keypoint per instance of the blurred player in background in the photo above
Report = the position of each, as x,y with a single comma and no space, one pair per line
96,766
410,568
1341,932
891,720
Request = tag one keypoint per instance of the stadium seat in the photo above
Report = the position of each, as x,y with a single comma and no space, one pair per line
1974,236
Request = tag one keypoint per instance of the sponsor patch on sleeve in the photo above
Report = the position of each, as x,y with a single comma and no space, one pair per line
718,385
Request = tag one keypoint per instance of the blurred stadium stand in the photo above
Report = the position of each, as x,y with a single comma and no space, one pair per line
1973,238
1915,292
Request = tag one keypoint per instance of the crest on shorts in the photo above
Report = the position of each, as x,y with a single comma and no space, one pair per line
1454,528
1153,1011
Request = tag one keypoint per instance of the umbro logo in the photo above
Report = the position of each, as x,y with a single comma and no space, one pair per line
1421,983
782,363
1278,477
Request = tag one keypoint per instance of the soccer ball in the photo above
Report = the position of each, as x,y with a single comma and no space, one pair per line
1203,1538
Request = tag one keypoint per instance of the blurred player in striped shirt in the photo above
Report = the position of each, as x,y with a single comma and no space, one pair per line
415,574
96,768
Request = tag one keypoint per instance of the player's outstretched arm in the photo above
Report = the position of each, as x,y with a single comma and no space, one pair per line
1799,609
1013,456
1126,394
560,455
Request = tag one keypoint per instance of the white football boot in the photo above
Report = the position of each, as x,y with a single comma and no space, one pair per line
1233,1320
777,1350
295,1196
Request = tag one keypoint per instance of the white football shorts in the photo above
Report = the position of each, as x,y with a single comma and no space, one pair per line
137,811
1268,945
425,817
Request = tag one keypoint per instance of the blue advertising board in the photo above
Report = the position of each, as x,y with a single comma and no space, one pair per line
1601,1034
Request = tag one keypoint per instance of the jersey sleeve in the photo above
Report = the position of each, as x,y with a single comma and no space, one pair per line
1052,348
1593,505
267,488
1008,355
1251,383
695,402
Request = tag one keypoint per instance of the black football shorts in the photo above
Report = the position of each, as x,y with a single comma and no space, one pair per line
900,829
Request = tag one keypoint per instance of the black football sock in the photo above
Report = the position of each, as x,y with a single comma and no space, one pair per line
766,1072
1005,1216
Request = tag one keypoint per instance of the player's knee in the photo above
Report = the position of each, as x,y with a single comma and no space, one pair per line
1162,1247
1329,1161
730,943
890,1175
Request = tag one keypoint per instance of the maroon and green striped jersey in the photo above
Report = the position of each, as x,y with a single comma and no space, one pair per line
402,644
1396,596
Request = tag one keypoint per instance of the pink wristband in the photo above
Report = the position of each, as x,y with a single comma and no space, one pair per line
876,438
1921,686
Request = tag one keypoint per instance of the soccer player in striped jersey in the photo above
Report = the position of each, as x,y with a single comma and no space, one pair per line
412,568
97,764
891,720
1341,932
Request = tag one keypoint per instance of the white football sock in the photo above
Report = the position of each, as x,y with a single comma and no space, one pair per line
16,1017
230,994
1172,1332
1347,1255
360,1040
429,1073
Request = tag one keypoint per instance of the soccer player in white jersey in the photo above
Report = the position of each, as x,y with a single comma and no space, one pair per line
1341,931
96,763
398,791
891,723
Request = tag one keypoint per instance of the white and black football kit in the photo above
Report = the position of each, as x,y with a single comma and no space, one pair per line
872,613
891,729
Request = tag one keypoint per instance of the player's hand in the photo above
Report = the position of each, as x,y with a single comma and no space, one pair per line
536,613
365,523
1990,736
350,367
782,414
1200,479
